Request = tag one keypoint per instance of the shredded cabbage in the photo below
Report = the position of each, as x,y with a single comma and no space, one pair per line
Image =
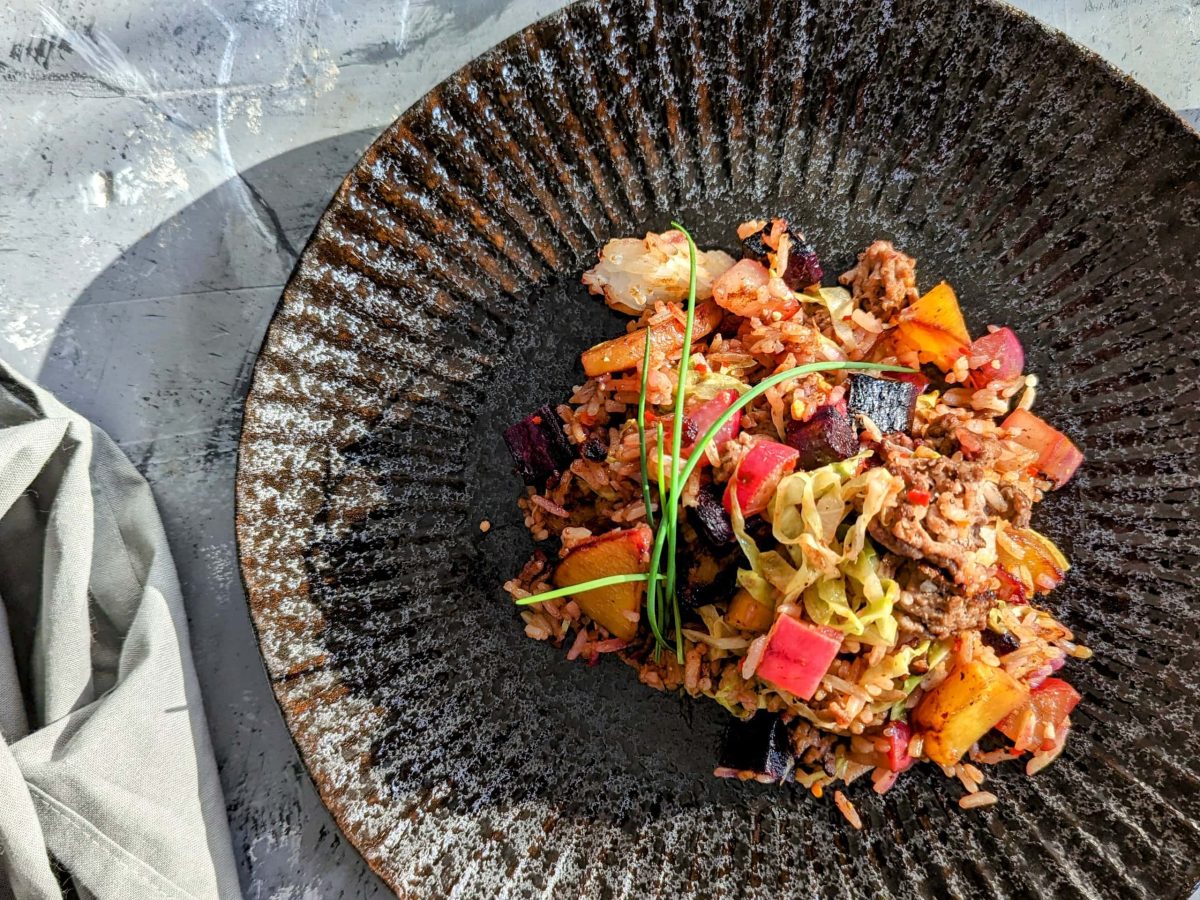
707,386
721,636
824,560
937,651
728,688
840,304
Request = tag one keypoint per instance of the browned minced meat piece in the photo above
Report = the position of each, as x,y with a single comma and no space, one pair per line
931,531
1020,503
884,281
941,432
930,605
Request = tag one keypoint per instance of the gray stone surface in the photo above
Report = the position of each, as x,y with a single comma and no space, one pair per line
160,166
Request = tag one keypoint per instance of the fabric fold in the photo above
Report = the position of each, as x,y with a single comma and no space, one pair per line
106,769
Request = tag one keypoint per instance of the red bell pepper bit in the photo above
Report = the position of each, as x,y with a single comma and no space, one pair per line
898,735
1051,701
919,497
1011,589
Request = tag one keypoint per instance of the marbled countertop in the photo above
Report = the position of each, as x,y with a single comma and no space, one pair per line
161,164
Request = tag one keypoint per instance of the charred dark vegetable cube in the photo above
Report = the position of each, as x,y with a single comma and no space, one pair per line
539,446
1001,642
711,578
889,404
760,745
754,247
594,449
827,437
709,517
804,266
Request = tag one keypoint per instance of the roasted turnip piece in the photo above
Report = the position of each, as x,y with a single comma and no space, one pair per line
889,404
747,614
1051,702
1058,458
997,356
1032,559
617,606
798,655
539,446
758,748
700,418
827,437
710,518
758,475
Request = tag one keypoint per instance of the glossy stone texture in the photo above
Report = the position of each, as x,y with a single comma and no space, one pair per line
439,301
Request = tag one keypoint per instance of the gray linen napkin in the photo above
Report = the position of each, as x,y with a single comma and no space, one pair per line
106,770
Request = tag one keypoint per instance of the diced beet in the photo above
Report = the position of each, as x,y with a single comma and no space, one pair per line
539,446
1001,642
804,266
760,745
913,378
754,247
709,517
594,449
711,578
827,437
798,655
889,404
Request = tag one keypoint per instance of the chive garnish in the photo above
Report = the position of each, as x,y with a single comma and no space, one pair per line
641,427
671,514
662,600
662,478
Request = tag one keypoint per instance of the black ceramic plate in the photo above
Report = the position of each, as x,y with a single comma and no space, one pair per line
439,299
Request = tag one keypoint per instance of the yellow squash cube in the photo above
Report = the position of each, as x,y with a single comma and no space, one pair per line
965,707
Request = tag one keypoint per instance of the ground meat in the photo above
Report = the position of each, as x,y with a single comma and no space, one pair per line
1020,497
943,429
884,281
930,605
946,530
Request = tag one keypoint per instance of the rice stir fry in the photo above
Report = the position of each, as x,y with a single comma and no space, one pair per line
811,504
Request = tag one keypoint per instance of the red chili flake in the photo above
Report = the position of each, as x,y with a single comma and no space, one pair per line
1010,588
537,420
920,498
